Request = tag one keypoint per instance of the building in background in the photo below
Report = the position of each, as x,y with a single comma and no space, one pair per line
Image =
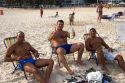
111,1
2,2
74,2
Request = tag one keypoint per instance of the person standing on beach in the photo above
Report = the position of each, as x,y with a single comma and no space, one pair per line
71,18
58,39
57,14
41,11
95,45
99,10
22,53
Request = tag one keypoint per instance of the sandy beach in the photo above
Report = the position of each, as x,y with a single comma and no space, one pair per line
37,30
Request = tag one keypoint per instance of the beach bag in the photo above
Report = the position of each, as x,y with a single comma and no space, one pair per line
94,77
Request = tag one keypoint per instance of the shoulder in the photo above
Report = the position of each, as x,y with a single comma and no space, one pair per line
52,32
88,39
99,38
66,32
13,47
27,43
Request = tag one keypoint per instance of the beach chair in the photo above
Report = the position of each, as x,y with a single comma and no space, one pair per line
110,18
91,54
8,42
53,52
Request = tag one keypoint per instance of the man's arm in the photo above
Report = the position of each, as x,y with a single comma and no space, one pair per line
51,36
34,51
104,44
8,57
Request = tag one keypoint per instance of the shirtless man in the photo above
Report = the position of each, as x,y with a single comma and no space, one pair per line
99,11
94,44
21,51
59,40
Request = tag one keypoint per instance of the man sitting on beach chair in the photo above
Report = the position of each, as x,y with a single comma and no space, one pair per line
22,53
59,40
94,44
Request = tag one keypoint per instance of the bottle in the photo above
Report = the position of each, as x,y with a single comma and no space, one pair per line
72,34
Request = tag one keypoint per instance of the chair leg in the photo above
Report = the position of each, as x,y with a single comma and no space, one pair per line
93,57
58,60
97,62
73,57
57,57
14,69
25,74
51,56
14,64
42,69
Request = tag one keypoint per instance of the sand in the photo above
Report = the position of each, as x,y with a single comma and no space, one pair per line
37,30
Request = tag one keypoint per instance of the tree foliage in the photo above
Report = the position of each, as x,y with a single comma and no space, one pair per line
123,0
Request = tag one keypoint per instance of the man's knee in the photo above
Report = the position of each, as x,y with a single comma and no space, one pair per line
51,61
60,51
119,57
34,70
81,45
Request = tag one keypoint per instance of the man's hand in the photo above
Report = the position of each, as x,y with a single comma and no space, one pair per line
19,58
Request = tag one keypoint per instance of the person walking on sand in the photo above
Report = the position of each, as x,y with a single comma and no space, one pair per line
22,53
99,10
59,40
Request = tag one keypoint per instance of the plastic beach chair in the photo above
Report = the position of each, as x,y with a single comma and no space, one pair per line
53,52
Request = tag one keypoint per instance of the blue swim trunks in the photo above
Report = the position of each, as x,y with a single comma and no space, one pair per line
67,47
24,61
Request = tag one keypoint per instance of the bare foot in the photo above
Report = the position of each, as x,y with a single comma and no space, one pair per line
71,72
80,62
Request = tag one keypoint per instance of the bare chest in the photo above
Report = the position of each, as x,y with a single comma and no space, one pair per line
22,50
95,41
